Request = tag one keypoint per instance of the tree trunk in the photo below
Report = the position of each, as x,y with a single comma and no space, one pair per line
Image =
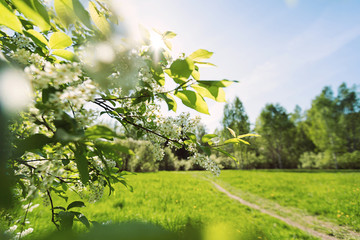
279,159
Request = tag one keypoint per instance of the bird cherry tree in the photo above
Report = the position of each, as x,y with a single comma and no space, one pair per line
62,66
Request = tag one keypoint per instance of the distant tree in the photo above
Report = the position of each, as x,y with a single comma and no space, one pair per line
349,122
323,124
301,139
277,133
236,118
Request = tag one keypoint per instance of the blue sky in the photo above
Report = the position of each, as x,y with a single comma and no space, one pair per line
281,51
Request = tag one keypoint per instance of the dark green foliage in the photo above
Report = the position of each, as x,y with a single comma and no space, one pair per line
325,136
277,133
333,122
235,118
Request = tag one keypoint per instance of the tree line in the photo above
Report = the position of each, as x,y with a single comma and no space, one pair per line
326,136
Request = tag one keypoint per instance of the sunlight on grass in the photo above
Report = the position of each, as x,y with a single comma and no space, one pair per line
175,200
334,195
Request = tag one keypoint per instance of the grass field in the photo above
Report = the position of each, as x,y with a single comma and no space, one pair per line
334,195
173,200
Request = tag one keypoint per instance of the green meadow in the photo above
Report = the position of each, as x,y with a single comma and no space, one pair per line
330,195
177,200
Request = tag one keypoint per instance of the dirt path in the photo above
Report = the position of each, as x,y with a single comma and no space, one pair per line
325,225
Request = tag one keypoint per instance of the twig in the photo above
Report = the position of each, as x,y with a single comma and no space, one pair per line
112,110
46,124
43,122
58,177
52,210
146,96
23,223
42,159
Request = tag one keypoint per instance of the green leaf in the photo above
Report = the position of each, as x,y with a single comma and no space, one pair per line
123,182
111,150
226,153
168,35
248,135
36,141
200,55
35,11
81,217
37,37
64,185
100,131
236,140
206,149
66,54
205,63
232,132
212,92
170,101
222,83
193,100
69,11
81,13
168,44
46,93
64,9
191,136
65,137
182,69
196,74
59,40
243,141
66,220
99,19
81,163
207,137
8,18
232,140
75,204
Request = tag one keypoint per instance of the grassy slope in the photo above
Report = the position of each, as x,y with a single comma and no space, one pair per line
335,195
173,199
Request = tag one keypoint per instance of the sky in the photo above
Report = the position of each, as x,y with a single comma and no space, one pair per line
280,51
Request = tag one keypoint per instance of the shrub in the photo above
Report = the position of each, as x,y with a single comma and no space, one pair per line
169,161
349,160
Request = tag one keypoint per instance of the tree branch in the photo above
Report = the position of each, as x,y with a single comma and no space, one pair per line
187,83
111,111
52,210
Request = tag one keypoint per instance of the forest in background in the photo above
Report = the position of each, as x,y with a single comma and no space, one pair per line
326,136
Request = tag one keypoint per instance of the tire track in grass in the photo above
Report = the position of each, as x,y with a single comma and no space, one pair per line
284,219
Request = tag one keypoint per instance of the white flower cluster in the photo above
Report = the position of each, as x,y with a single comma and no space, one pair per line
128,71
44,74
25,57
30,207
96,190
93,191
47,169
147,81
100,165
20,41
73,96
176,127
72,93
205,162
173,128
18,235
